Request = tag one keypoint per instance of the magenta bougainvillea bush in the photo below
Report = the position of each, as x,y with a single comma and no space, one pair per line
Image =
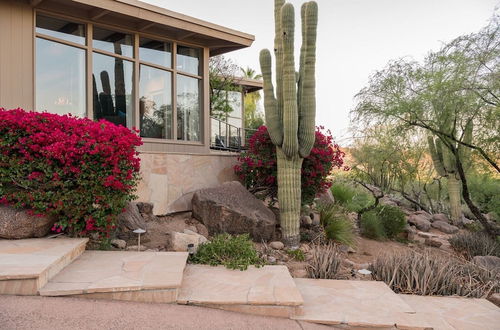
80,171
257,167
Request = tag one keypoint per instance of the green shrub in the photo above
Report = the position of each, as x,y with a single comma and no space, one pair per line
411,272
325,262
342,193
352,198
371,226
484,192
297,254
234,252
392,218
337,225
472,244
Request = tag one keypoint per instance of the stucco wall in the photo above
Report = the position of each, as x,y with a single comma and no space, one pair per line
169,180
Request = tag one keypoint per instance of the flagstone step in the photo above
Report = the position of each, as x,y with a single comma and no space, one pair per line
27,264
117,275
268,290
355,304
453,313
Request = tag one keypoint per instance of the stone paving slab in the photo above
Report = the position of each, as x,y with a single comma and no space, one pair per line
26,265
355,304
116,271
268,285
28,258
455,313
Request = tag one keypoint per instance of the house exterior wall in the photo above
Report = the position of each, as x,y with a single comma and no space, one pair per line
170,179
16,55
171,170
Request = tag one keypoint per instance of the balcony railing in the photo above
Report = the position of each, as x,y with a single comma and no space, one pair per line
224,136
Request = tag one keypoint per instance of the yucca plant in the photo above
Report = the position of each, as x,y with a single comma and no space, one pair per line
325,262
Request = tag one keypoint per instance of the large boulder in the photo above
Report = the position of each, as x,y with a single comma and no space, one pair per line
230,208
128,221
440,217
445,227
17,223
491,263
421,221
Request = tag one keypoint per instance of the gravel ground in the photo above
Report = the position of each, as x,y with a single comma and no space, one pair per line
34,312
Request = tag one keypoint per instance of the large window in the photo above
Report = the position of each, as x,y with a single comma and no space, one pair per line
134,81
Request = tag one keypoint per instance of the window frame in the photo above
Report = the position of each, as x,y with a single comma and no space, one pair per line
88,47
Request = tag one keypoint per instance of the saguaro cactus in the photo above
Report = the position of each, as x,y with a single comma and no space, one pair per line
445,165
290,115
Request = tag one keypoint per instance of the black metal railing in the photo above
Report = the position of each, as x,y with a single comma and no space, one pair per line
224,136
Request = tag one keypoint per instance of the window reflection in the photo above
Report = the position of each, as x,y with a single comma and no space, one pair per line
61,29
155,103
188,59
157,52
188,109
112,85
113,42
60,78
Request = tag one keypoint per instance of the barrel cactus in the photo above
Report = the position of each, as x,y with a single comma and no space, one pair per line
290,114
445,165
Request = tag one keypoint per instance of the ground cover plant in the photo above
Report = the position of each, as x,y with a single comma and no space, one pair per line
81,171
428,273
234,252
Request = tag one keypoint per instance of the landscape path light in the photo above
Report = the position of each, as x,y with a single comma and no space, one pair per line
139,231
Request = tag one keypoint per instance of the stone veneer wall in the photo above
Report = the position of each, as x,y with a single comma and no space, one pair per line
169,179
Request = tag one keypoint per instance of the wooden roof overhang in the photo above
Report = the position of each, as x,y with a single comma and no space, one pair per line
142,17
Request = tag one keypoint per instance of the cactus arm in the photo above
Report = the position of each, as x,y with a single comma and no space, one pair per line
465,152
302,57
290,111
306,134
437,158
273,121
278,55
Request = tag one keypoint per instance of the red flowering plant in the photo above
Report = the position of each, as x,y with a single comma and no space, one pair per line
257,167
80,171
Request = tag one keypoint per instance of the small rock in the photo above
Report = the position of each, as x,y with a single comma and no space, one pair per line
348,263
316,219
445,227
277,245
145,208
425,235
364,271
271,259
192,228
350,250
119,243
434,242
346,249
440,217
180,241
134,248
306,221
495,298
326,198
464,221
299,273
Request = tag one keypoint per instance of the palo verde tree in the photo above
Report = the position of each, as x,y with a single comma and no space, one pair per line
453,96
290,115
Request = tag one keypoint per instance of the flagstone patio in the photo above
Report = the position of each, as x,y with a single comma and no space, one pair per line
57,267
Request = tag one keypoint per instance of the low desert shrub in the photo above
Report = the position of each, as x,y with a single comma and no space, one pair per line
296,254
425,273
337,225
371,226
234,252
392,218
257,167
325,261
80,171
471,244
350,197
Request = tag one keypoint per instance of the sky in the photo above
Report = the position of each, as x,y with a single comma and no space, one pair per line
355,39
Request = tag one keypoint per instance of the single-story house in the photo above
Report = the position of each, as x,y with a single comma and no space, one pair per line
133,64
